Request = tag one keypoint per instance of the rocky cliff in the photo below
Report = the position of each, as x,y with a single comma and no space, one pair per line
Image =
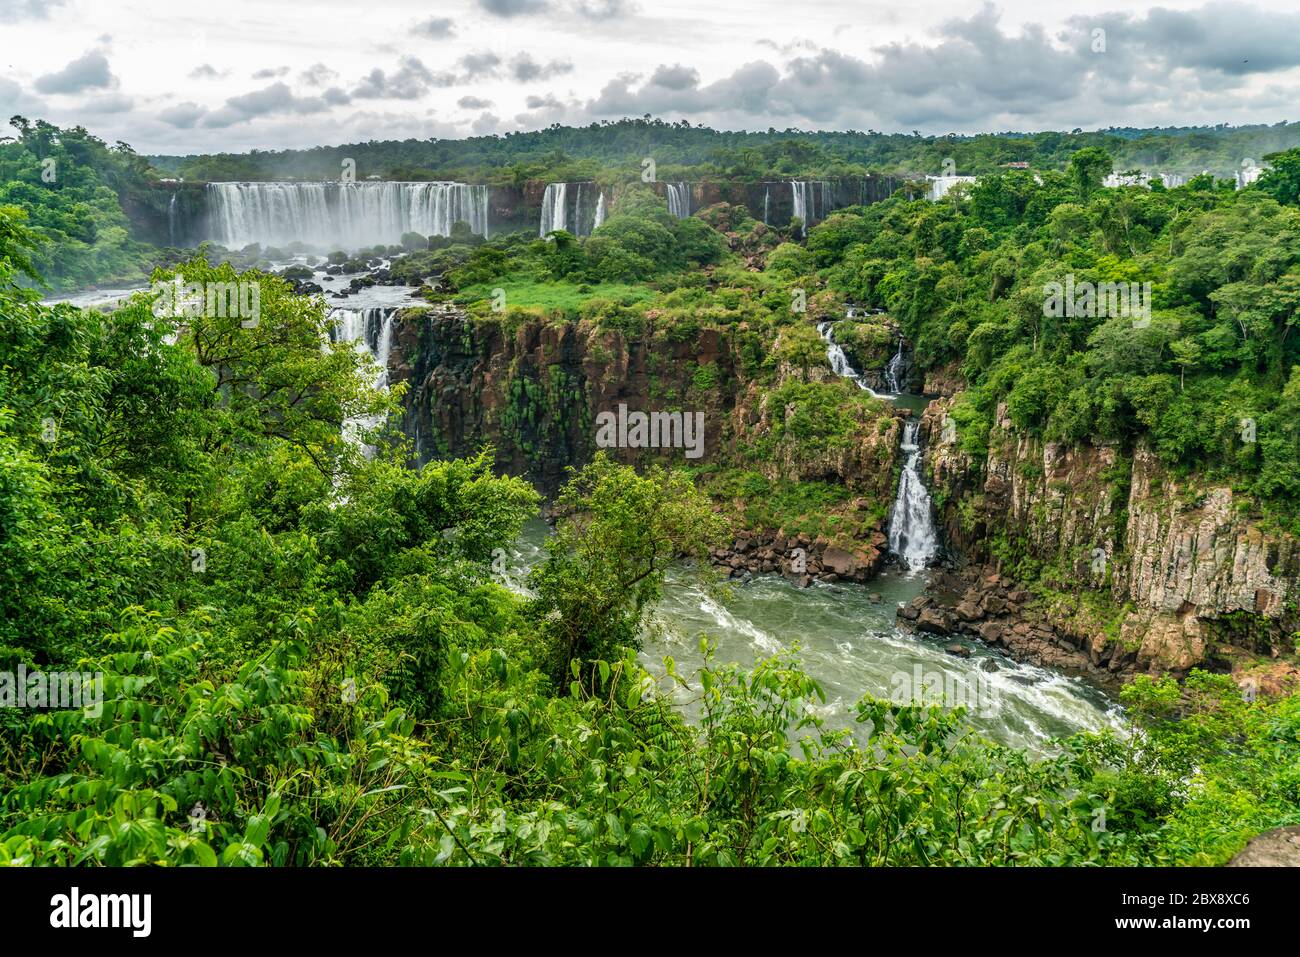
534,390
1140,570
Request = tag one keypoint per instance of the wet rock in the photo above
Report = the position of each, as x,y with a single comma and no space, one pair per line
934,621
960,651
839,561
1276,848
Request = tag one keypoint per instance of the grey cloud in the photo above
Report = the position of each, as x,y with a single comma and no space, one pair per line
477,65
473,103
88,72
606,9
14,100
28,9
317,74
676,77
485,124
514,8
1234,39
183,116
107,103
411,80
274,99
435,28
206,71
973,74
270,73
525,69
543,102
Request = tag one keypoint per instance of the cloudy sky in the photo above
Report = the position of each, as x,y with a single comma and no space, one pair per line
244,74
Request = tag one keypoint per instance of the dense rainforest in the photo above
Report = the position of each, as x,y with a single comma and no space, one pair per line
309,653
682,151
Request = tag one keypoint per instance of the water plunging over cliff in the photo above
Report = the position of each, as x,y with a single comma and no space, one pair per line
679,199
839,361
370,331
341,215
805,197
577,208
553,208
911,527
896,370
912,535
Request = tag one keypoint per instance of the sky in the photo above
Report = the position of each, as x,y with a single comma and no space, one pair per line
273,74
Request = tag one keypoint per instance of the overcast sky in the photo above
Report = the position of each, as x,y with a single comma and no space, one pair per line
243,74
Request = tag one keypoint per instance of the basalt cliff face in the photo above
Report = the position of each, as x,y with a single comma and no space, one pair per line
1186,576
534,389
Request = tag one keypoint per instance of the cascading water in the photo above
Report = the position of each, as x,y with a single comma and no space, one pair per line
679,199
171,221
911,528
804,198
896,370
840,364
576,208
554,208
940,186
849,637
341,215
767,199
912,536
369,331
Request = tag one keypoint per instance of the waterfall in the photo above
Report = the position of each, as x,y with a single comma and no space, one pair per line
911,528
679,199
839,361
940,186
767,196
171,220
912,536
554,208
346,215
896,369
805,195
569,206
369,331
799,195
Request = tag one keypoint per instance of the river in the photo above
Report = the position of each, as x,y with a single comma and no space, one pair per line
846,636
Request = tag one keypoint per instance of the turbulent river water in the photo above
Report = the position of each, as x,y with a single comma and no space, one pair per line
851,644
844,635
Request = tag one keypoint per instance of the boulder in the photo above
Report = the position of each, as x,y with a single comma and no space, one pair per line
1277,848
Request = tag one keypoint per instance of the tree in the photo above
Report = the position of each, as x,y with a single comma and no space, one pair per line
1088,168
618,533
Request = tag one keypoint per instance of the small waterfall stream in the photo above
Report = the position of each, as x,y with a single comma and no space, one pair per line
912,535
370,331
679,199
839,361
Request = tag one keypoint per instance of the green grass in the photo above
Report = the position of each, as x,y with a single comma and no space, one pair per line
812,508
552,295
